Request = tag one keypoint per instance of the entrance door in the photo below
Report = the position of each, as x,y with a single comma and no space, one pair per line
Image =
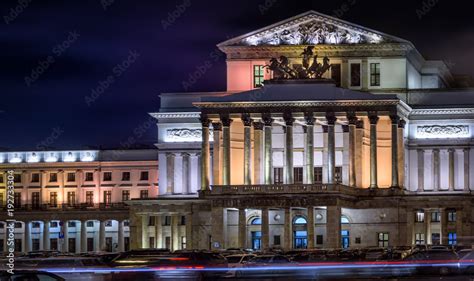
53,242
435,239
108,244
71,245
126,243
168,242
301,239
90,244
345,239
256,240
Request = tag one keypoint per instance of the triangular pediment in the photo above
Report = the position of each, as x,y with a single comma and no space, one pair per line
312,28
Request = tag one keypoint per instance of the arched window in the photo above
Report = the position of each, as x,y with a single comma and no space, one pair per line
344,220
256,221
299,220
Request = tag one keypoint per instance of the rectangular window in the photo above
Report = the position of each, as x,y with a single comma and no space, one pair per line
452,238
375,74
71,224
35,200
90,244
319,239
183,242
107,176
452,216
126,176
108,223
107,197
89,176
420,216
35,244
336,74
278,175
53,224
419,238
143,194
17,178
17,199
151,221
90,224
338,174
1,178
35,224
53,199
90,198
53,177
71,177
151,241
318,174
167,221
383,239
144,176
125,195
35,177
276,240
182,220
258,76
298,175
355,74
435,217
71,198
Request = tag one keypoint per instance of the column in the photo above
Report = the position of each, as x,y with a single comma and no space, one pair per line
351,117
46,244
289,172
451,152
257,152
364,70
170,159
345,155
205,153
359,140
265,230
395,177
459,225
102,235
145,219
226,149
186,186
135,230
288,230
436,170
27,236
325,154
333,225
373,118
65,239
83,236
267,166
189,231
331,119
444,226
427,227
174,232
121,242
421,169
159,232
345,74
309,147
217,228
410,227
247,149
242,229
467,180
310,227
401,153
217,153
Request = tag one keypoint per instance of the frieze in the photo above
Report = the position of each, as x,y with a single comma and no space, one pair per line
185,135
443,131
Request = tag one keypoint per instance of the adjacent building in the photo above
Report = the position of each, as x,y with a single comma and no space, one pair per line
74,200
377,152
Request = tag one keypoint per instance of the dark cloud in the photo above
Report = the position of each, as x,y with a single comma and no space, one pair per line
167,56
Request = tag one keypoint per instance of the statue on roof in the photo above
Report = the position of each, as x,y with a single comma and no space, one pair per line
283,70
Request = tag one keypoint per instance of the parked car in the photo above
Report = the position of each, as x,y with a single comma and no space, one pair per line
373,254
237,261
466,262
439,262
277,267
24,275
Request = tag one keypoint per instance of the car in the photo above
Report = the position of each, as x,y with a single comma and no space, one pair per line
237,261
278,265
438,262
29,275
373,254
466,262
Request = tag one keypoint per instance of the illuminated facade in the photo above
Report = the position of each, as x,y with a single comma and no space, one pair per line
380,155
73,201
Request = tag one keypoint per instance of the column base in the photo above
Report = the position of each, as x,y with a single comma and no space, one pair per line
373,187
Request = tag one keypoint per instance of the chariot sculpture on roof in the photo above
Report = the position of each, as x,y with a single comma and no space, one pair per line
307,70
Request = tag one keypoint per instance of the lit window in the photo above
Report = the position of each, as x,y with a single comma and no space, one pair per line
419,238
167,221
452,238
256,221
300,220
71,177
53,177
318,174
108,223
298,175
452,216
277,175
345,220
375,74
435,217
383,239
420,216
90,224
258,76
338,174
143,194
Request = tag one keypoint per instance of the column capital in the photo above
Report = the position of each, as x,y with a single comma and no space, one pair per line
205,121
401,124
331,118
225,119
288,117
435,150
309,118
217,126
267,119
185,154
451,150
170,154
258,125
246,120
395,119
373,117
325,129
360,124
345,128
352,118
466,149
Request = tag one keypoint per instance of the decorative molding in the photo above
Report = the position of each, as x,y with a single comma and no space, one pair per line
294,104
443,132
186,135
176,115
447,111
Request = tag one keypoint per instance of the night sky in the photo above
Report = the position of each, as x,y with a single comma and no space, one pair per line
105,62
